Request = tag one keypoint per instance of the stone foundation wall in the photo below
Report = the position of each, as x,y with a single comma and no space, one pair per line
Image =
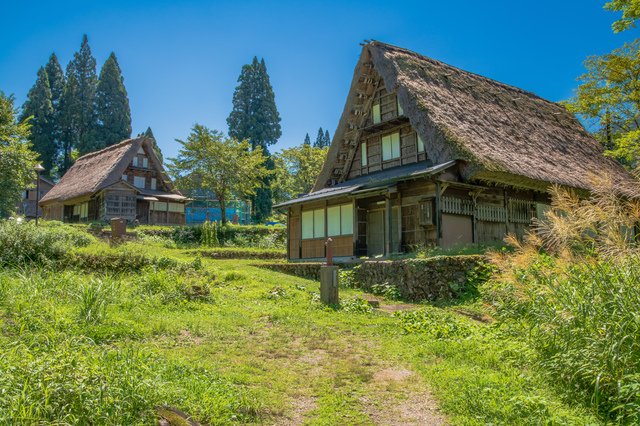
415,279
421,279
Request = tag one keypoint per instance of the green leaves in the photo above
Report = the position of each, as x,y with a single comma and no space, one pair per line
209,162
112,105
609,97
630,13
296,171
16,158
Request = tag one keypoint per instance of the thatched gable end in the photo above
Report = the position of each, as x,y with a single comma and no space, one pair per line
98,170
495,128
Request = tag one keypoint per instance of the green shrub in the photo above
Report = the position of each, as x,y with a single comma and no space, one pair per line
258,236
27,243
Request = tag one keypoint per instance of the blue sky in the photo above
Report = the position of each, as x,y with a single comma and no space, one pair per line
181,60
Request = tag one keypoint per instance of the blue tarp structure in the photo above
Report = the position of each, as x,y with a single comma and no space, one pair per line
199,215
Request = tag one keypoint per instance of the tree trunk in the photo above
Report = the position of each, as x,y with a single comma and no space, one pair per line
223,208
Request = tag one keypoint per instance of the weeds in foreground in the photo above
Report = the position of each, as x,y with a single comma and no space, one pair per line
574,289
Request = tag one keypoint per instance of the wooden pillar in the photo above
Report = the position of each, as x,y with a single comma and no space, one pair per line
355,225
388,234
288,233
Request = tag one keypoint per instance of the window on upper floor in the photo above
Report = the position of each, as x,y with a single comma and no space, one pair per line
134,163
376,114
124,178
145,162
420,143
153,183
391,146
363,148
139,182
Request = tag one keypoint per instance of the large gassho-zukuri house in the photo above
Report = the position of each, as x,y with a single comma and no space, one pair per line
428,154
125,180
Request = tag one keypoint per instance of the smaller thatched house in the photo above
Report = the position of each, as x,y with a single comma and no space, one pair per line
429,154
124,180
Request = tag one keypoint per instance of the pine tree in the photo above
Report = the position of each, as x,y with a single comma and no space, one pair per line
327,138
69,112
112,105
56,84
80,112
307,140
156,148
255,117
38,111
319,143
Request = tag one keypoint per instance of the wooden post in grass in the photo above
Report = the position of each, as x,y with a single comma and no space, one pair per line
329,278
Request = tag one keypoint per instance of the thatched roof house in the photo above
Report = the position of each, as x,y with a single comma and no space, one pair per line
124,180
489,152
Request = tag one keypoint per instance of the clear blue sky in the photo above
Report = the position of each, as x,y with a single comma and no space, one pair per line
181,61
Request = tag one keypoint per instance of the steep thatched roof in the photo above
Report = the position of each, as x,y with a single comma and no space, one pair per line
503,134
98,170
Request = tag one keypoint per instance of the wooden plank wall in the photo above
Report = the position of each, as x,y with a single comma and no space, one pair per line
343,245
313,248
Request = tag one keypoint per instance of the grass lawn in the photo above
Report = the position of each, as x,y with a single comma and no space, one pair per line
229,343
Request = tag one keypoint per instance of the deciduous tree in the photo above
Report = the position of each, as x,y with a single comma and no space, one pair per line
630,13
209,161
609,99
296,171
16,159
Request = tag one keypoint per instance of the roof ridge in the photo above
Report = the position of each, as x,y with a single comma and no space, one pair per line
469,73
109,148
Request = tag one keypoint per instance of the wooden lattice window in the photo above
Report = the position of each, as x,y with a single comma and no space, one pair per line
128,205
425,213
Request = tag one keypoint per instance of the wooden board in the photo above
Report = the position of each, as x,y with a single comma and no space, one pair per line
294,238
456,230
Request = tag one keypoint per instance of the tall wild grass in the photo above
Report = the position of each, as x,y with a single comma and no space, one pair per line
26,243
573,287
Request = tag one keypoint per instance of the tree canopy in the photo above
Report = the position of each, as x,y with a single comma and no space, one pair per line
209,161
16,159
38,112
83,115
296,171
112,104
255,118
630,13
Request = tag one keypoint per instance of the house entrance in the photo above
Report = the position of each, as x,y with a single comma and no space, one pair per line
142,211
377,231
